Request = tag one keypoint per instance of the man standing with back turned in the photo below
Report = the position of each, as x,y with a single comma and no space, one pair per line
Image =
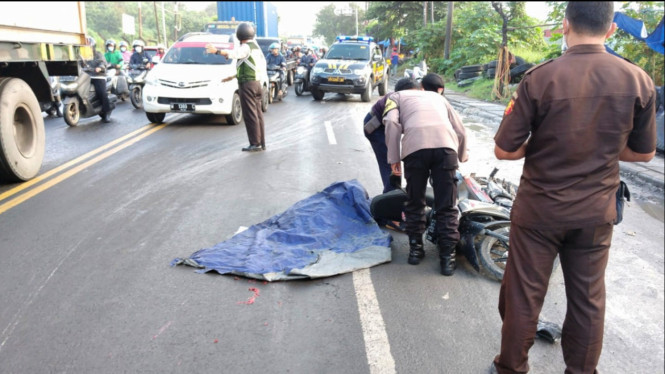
572,119
250,63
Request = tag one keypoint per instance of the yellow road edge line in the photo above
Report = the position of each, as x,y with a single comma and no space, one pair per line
20,199
68,164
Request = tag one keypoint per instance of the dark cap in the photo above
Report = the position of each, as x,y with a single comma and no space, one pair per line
432,82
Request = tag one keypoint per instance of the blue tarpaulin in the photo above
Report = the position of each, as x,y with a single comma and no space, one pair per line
329,233
637,29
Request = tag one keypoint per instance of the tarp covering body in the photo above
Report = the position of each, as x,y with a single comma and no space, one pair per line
329,233
637,29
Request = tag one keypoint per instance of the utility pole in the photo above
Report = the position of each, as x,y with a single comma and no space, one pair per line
449,31
154,3
140,23
176,28
164,26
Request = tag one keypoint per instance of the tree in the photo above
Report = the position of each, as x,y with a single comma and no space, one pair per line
514,10
329,25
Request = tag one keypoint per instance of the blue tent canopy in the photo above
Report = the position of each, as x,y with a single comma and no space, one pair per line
329,233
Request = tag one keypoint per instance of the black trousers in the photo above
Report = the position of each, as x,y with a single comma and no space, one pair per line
100,90
441,164
250,100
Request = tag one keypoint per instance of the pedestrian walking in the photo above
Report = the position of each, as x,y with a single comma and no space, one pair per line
250,63
572,119
431,147
394,62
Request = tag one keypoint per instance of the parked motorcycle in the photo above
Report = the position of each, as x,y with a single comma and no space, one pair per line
302,79
274,72
79,99
136,80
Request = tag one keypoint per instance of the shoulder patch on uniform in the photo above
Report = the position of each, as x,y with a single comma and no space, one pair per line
390,105
538,66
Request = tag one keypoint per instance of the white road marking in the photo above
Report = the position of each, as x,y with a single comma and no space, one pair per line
377,347
331,134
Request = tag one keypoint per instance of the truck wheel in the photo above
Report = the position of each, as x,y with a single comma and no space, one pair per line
318,94
136,97
367,95
72,114
289,78
22,135
383,87
236,111
155,117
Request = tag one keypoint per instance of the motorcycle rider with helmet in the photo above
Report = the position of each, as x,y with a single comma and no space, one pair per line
250,62
112,55
136,61
160,51
126,53
276,58
96,68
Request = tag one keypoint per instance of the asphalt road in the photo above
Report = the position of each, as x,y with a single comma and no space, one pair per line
87,288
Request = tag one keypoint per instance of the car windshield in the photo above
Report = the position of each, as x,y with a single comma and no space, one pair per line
195,53
265,44
348,52
150,53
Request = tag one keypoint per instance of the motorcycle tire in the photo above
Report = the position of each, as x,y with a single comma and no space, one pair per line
272,96
136,97
300,88
72,114
493,253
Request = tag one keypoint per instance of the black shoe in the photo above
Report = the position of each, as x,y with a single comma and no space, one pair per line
106,118
252,148
416,250
448,265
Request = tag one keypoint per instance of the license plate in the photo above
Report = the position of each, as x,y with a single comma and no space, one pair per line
183,107
335,79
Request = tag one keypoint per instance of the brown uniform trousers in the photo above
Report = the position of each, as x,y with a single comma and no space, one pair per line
250,100
583,254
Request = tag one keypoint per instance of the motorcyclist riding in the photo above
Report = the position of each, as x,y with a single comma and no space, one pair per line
124,50
276,58
112,55
136,61
96,68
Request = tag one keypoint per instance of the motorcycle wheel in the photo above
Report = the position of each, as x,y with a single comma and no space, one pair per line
300,87
72,114
273,94
494,254
136,97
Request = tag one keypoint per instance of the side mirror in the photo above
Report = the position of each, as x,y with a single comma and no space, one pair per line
155,59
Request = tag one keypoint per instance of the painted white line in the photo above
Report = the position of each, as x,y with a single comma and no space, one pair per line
377,347
331,134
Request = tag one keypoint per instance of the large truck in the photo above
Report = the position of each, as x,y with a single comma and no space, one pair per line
261,13
37,42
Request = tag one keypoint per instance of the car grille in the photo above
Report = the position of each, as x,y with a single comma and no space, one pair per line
183,85
177,100
343,71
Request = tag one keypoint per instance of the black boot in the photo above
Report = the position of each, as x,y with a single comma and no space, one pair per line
416,252
447,257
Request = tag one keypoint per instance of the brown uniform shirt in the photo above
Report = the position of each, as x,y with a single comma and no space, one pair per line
580,111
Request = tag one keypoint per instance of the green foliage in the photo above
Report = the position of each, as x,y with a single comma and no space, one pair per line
329,25
104,20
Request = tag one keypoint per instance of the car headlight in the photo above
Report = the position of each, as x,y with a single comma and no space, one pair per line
318,70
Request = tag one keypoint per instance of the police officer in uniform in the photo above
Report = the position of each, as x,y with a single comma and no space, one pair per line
572,119
432,146
250,62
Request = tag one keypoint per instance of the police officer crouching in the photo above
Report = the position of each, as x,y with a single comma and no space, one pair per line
249,56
